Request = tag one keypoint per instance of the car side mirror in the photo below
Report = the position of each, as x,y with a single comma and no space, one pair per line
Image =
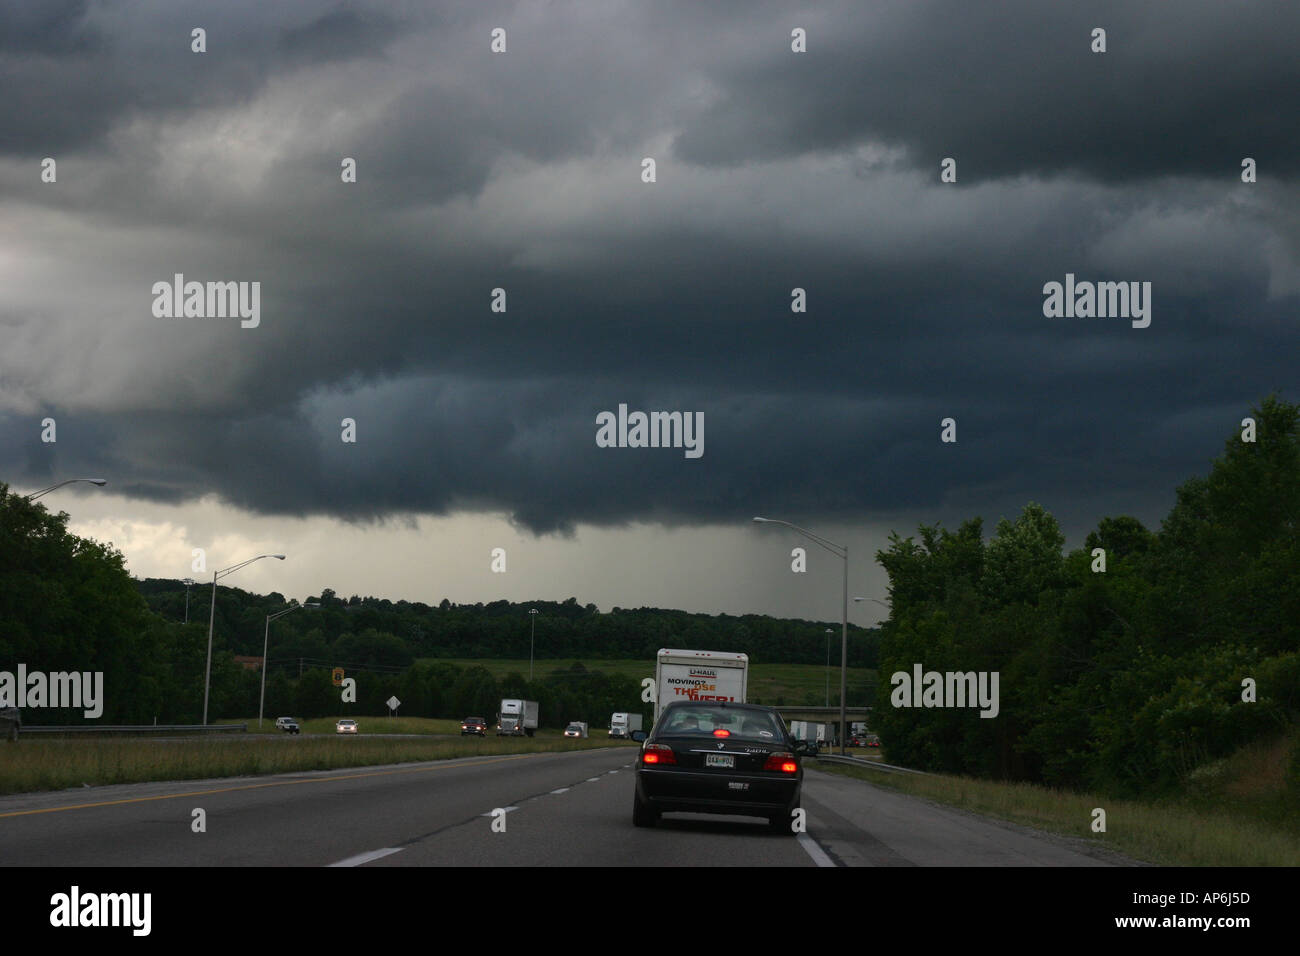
639,735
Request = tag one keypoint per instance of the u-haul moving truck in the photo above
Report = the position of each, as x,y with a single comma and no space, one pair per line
699,675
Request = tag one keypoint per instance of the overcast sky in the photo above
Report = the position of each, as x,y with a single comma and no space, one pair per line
523,170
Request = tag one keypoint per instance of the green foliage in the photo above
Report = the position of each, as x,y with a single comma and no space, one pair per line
1127,680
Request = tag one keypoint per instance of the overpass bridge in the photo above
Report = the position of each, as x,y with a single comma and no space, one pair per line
830,716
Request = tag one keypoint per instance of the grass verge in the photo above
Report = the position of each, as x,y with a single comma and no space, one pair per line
1167,834
41,764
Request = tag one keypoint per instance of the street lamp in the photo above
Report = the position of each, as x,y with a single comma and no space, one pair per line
94,481
829,632
265,636
532,634
212,616
859,600
841,552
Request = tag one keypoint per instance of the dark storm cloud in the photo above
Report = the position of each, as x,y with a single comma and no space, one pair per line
53,28
521,171
1014,88
338,35
73,71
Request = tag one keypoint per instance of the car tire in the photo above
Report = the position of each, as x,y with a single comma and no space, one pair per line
780,824
642,815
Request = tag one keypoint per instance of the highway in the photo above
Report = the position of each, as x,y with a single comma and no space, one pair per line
561,809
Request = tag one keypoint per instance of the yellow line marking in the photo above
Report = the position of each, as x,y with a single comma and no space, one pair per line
257,786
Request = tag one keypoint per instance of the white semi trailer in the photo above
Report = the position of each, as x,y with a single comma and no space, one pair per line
622,724
517,718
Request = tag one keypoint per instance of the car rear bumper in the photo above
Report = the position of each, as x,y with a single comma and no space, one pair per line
685,791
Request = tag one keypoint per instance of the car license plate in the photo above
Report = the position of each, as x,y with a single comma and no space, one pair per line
719,760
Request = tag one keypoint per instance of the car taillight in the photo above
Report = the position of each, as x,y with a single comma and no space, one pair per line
722,732
658,754
782,762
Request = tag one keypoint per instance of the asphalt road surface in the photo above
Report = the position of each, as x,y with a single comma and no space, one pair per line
560,808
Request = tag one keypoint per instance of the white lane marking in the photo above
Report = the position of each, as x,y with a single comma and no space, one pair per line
817,853
611,771
367,857
490,812
561,790
592,779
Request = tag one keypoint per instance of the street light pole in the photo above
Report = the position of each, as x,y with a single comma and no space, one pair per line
829,632
212,616
859,600
189,583
265,637
842,552
36,494
532,636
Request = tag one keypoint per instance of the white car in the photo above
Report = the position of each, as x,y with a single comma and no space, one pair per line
345,727
281,722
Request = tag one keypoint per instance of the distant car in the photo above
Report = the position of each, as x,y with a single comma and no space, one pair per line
717,757
345,727
873,741
289,725
575,729
11,721
473,725
281,721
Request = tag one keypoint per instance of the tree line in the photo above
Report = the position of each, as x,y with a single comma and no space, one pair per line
1126,664
68,604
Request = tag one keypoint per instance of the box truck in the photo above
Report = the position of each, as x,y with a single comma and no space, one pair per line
517,718
623,724
699,675
809,732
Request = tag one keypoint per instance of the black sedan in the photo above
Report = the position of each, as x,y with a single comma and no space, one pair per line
717,757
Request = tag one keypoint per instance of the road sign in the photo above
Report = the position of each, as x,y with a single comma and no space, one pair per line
393,703
338,677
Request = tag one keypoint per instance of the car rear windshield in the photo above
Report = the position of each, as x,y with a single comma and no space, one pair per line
703,719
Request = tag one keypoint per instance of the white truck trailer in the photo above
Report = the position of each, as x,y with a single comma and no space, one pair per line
809,732
623,724
699,675
517,718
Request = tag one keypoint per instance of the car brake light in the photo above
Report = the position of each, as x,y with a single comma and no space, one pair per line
658,754
722,732
783,762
